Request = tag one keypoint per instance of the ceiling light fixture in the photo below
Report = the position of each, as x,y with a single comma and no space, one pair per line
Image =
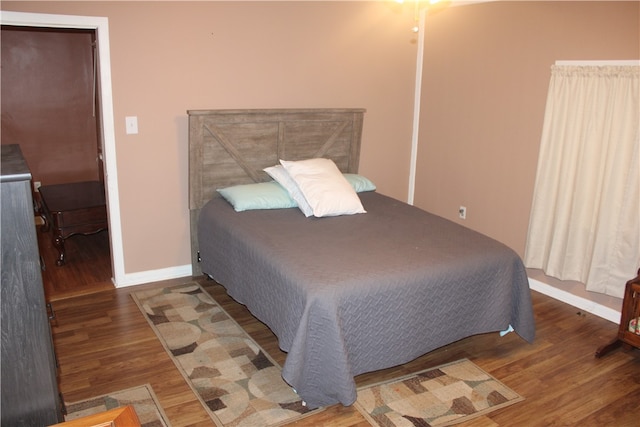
416,12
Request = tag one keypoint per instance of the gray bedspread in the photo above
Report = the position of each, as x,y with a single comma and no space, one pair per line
353,294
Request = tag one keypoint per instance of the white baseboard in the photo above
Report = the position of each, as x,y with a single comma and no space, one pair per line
154,275
536,285
576,301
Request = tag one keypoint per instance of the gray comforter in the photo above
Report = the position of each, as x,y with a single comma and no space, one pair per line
353,294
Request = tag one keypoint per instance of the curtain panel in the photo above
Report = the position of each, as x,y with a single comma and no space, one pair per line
585,217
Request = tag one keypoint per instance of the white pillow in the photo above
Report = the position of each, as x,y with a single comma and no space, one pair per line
324,187
281,176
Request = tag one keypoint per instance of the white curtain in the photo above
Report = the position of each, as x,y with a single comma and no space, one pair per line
585,217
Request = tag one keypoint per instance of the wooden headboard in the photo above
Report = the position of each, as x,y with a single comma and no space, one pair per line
231,147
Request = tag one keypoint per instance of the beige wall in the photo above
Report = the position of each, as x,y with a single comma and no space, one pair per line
485,81
486,70
168,57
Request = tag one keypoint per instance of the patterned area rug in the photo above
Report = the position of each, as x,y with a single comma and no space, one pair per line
142,398
441,396
235,379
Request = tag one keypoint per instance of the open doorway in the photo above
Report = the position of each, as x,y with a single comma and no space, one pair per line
97,29
51,109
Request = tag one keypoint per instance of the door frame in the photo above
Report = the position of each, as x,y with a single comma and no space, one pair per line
107,124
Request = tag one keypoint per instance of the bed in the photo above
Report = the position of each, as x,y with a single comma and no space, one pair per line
344,294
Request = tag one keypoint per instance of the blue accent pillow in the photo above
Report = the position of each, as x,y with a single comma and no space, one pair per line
359,182
262,195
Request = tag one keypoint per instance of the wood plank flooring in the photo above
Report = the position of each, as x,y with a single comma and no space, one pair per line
87,269
104,344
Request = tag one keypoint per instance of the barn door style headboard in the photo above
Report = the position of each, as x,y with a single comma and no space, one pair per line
232,147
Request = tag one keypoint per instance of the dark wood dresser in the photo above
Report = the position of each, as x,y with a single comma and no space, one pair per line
30,395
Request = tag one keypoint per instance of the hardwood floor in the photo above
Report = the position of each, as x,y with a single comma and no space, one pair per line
87,268
104,344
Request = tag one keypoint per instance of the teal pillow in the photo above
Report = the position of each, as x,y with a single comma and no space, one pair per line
359,182
262,195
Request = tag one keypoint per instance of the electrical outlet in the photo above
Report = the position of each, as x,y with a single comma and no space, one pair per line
462,212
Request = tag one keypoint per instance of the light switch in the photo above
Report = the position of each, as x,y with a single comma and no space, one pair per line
132,124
